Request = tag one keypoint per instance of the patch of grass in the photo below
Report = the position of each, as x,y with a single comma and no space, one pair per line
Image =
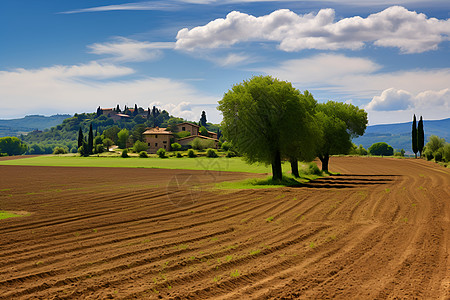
387,190
257,183
4,190
234,274
228,258
7,214
217,278
255,252
312,245
214,239
269,219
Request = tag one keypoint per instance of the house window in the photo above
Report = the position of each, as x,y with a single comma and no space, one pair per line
149,144
183,128
164,146
156,136
156,144
165,142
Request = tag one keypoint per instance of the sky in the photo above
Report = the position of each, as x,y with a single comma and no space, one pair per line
391,58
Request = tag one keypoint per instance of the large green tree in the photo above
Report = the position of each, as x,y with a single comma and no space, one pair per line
415,148
90,143
12,146
122,138
382,149
261,117
80,138
420,137
339,122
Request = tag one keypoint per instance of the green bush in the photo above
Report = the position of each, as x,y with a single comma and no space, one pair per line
200,144
161,153
428,153
447,152
175,146
139,146
99,148
314,169
381,148
231,154
191,153
226,146
124,153
439,154
59,150
143,154
211,153
179,155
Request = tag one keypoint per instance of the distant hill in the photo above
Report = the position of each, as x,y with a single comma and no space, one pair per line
16,127
399,135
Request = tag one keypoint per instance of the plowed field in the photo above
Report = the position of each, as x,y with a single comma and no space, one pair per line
379,230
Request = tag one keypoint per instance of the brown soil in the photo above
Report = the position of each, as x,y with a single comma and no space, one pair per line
380,230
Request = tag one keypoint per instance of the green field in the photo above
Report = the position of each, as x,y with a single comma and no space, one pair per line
7,214
234,164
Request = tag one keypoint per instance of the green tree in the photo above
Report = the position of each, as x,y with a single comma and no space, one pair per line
203,119
139,146
122,138
161,153
80,138
261,116
12,146
382,149
339,123
111,133
107,143
90,144
420,137
414,137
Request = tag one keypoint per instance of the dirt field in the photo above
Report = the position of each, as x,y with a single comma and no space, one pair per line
380,230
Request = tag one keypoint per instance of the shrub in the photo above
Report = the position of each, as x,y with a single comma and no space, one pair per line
400,153
99,148
314,169
428,154
181,134
200,144
226,146
74,149
175,146
434,143
143,154
161,153
179,155
438,154
447,152
361,151
381,149
203,131
191,153
231,154
211,153
59,150
139,146
124,153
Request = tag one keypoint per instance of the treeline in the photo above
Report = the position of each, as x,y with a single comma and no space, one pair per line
65,136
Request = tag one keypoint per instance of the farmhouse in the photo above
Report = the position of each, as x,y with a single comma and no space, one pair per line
162,138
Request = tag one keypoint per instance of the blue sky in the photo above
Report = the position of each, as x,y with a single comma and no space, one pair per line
391,58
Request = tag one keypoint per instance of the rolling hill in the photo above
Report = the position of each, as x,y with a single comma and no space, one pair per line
16,127
399,135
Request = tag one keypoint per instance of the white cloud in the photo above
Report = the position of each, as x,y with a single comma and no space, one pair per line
395,26
391,99
81,88
128,50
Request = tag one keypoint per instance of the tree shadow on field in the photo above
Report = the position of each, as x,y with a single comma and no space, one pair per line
348,181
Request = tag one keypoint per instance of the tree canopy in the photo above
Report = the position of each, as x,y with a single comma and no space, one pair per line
381,148
339,123
263,116
12,146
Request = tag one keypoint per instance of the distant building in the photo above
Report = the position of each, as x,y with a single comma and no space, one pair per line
162,138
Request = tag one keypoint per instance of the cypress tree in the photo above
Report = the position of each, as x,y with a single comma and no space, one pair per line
80,138
420,137
203,119
118,108
414,137
135,112
90,144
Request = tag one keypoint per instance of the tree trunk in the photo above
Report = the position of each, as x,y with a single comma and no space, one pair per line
324,159
294,167
277,173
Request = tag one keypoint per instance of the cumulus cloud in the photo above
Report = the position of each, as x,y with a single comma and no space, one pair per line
395,100
81,88
395,26
128,50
